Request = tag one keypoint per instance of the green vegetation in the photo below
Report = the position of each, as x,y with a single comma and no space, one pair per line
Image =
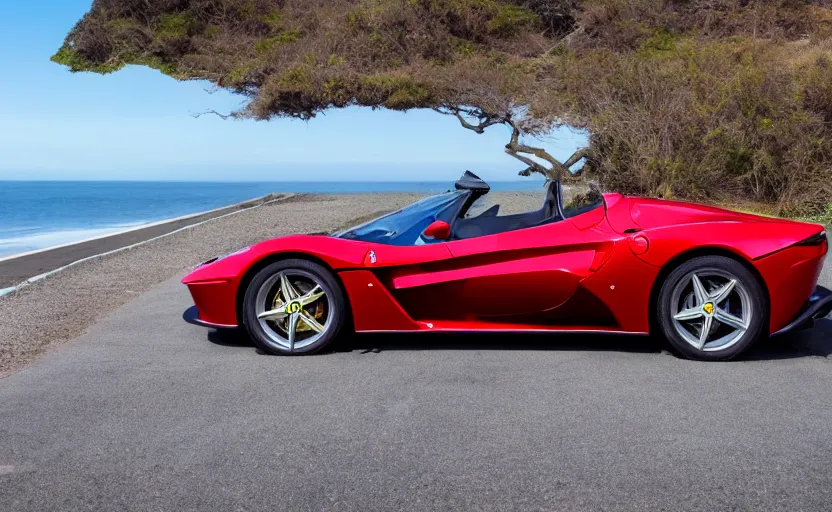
174,26
67,56
273,19
509,20
289,36
825,217
399,92
711,100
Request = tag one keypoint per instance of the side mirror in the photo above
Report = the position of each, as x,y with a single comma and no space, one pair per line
439,230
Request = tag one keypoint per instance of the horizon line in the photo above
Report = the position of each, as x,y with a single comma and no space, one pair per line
83,180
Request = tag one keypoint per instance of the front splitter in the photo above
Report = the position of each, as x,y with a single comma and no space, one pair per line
191,315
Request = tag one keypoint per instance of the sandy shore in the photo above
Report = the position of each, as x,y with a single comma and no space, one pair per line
62,306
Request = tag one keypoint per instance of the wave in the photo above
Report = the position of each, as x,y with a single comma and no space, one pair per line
36,241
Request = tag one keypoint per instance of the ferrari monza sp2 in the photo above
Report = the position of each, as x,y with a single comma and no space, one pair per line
709,281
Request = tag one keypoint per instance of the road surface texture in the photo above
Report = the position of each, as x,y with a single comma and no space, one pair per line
145,412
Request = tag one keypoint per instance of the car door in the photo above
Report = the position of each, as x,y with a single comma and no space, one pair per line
518,276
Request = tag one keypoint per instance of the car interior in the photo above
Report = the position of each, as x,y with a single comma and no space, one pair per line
466,213
490,222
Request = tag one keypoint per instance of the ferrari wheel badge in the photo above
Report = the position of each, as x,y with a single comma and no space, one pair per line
293,307
708,308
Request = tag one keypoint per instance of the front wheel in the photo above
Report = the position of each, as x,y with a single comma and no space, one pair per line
293,307
712,308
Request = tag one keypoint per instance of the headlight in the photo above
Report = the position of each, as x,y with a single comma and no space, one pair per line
241,251
214,260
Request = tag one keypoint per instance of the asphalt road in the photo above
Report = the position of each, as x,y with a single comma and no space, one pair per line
145,412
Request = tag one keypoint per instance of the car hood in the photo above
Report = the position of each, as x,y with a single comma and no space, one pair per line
334,252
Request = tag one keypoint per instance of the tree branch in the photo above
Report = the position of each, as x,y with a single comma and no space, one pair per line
567,39
557,171
514,148
576,156
224,117
484,120
532,166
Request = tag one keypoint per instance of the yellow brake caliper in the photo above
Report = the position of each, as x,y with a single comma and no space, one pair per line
316,310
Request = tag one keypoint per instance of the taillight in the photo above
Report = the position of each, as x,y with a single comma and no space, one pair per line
818,239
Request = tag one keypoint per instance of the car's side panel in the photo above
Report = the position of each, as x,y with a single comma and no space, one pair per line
373,308
450,326
751,241
508,283
791,276
396,256
555,234
624,284
589,219
526,277
674,227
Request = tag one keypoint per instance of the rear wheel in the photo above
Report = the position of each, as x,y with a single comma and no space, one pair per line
293,307
712,308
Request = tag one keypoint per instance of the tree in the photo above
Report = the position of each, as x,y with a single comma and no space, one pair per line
693,98
299,58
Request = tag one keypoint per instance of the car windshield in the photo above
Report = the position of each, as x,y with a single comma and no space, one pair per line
405,226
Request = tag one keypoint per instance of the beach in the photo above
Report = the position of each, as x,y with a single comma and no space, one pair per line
18,268
62,306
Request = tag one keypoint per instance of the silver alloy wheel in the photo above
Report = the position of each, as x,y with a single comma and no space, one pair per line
293,309
711,309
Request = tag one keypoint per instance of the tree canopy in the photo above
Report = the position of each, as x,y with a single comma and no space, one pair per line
682,98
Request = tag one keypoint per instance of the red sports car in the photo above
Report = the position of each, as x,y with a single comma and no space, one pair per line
710,281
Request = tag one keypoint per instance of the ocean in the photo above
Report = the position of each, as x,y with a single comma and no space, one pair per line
40,214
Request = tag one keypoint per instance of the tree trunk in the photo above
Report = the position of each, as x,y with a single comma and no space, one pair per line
557,171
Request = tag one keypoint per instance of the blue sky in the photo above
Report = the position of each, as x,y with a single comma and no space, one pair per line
138,124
